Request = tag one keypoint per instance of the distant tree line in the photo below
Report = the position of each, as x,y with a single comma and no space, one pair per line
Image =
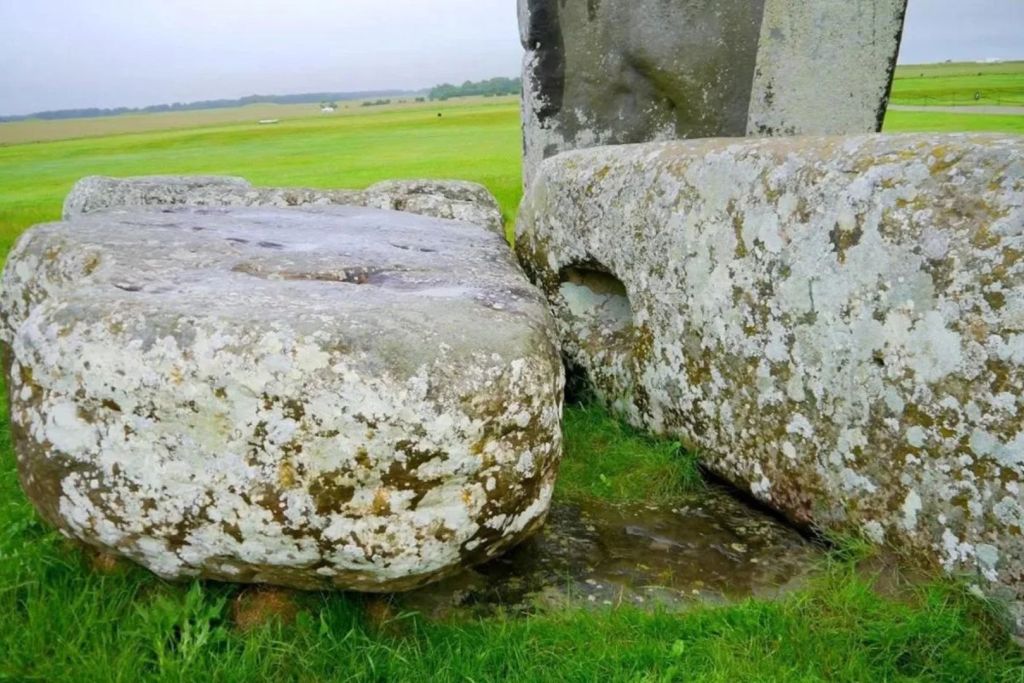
304,98
493,87
489,88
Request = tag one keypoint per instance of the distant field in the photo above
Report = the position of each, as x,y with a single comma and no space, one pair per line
472,141
960,84
42,131
955,84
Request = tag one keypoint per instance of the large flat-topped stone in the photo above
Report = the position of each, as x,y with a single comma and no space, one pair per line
332,397
450,199
606,72
835,324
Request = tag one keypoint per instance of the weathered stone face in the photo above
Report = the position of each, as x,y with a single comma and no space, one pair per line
837,325
706,548
320,397
605,72
450,199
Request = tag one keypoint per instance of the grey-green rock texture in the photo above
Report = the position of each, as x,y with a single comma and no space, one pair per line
317,398
449,199
836,325
605,72
706,548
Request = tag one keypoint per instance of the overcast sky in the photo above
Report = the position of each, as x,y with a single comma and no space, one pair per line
58,54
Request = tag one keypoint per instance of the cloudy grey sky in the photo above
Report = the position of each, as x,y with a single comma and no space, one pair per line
57,54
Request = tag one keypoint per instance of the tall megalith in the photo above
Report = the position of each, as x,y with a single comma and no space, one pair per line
601,72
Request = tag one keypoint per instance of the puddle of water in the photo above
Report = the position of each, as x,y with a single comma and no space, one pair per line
709,548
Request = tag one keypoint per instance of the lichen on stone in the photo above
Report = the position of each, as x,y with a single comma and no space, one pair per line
211,392
835,324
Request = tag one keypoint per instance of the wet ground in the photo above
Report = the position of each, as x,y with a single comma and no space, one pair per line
709,548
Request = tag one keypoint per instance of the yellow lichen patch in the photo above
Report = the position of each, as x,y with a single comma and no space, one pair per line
287,477
381,505
92,262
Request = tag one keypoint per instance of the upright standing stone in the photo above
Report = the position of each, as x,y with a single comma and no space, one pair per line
601,72
825,67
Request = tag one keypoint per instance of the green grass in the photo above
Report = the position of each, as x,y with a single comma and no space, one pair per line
608,460
64,623
960,84
479,143
61,621
937,122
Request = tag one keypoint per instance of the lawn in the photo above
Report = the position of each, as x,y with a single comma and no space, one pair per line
960,84
478,142
938,122
61,619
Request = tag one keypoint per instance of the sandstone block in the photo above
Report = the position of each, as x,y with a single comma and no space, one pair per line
836,324
317,397
608,72
449,199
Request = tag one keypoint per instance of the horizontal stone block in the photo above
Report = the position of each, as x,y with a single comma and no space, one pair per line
449,199
318,397
837,325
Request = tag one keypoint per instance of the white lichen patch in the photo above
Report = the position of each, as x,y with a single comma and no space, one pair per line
313,398
834,324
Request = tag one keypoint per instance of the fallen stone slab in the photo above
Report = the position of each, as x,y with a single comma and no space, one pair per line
316,398
629,71
450,199
706,549
836,325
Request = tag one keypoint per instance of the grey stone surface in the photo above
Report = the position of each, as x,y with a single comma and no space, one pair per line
605,72
706,548
825,67
319,397
449,199
837,325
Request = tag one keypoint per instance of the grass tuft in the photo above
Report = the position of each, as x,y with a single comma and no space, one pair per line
608,460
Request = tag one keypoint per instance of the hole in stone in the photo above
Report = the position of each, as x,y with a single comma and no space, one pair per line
601,318
598,299
602,322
